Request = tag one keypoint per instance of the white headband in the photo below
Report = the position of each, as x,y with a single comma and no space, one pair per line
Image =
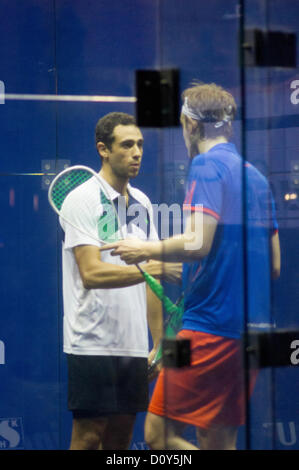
199,116
187,111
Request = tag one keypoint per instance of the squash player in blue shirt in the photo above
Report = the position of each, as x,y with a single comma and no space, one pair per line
229,249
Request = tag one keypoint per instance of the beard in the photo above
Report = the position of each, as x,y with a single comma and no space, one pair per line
125,173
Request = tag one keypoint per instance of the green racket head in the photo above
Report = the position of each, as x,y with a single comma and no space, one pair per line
67,182
107,224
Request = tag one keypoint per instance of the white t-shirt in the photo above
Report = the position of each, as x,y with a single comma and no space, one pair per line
103,321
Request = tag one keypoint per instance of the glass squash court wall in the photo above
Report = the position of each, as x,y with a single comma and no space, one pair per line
51,52
213,44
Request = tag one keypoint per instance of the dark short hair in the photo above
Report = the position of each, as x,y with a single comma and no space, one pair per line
105,126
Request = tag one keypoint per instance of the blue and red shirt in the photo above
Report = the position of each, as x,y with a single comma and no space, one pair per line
214,287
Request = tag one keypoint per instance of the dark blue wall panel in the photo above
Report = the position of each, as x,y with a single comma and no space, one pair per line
27,51
30,309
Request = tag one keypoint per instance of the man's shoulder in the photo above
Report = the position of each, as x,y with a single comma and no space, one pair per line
80,196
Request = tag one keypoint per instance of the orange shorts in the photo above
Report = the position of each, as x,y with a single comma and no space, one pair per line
211,391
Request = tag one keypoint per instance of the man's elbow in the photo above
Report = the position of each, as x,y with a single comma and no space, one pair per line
87,283
197,252
87,279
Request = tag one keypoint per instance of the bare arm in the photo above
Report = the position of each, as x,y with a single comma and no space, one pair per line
155,323
275,256
96,274
155,319
193,244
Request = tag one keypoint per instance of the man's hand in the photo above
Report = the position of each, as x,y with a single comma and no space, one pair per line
155,371
134,251
172,272
131,250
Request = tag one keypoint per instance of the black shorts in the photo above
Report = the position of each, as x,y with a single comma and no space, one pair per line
106,385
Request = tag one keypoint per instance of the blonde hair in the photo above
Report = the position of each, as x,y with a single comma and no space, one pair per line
213,107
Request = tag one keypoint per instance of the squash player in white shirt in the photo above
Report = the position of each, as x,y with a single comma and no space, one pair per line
106,302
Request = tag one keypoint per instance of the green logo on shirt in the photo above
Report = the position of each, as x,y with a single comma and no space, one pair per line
108,223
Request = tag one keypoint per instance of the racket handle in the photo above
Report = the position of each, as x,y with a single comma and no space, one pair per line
156,287
153,364
153,284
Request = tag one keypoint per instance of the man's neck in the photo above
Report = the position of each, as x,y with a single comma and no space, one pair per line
120,185
205,145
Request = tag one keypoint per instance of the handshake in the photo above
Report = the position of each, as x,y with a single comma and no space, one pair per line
134,251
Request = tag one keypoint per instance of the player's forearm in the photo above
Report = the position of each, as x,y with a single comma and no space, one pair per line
275,256
109,276
180,248
154,317
194,244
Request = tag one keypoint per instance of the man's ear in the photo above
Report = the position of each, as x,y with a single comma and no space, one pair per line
193,126
190,124
102,149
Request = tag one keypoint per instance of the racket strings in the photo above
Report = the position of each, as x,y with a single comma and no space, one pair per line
67,183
